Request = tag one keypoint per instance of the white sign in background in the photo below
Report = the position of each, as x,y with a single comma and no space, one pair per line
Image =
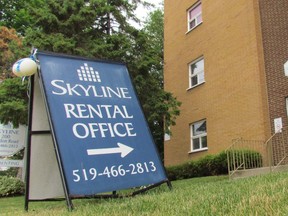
11,163
12,139
278,125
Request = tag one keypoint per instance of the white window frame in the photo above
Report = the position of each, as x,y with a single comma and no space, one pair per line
196,75
199,137
287,106
194,18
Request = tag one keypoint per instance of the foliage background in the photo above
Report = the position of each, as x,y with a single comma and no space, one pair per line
88,28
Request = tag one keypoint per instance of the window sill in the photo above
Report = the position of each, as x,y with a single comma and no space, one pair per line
198,150
188,89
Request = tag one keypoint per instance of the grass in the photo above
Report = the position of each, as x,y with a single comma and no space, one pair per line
262,195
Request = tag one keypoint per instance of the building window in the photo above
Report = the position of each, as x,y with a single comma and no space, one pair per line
196,72
194,16
198,136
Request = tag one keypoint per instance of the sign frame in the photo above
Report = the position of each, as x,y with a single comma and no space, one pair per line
60,161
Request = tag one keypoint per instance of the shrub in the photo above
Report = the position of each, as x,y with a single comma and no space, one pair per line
218,165
211,165
11,172
206,166
10,186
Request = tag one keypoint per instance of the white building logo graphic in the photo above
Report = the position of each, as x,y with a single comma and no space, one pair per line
86,73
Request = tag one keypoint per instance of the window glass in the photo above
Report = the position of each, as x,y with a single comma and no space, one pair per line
204,142
199,18
199,128
195,11
194,81
196,144
201,77
198,66
192,24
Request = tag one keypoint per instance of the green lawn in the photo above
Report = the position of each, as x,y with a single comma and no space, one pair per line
262,195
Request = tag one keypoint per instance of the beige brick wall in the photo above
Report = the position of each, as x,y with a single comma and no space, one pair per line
233,98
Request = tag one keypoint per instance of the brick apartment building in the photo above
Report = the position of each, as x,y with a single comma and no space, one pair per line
224,61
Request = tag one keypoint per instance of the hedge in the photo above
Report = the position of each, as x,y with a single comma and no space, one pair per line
10,186
207,166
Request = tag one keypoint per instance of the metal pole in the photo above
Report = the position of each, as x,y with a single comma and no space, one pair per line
28,141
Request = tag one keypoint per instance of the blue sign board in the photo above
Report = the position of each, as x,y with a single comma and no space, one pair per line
101,134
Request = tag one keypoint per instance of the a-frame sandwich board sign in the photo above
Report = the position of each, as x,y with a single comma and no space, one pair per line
87,131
